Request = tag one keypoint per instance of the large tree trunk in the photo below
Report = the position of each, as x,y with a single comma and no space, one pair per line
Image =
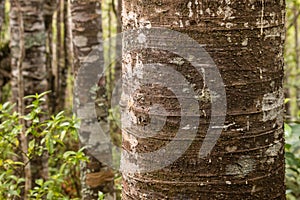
245,40
96,175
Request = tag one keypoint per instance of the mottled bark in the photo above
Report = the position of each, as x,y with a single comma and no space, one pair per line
17,57
88,48
29,75
245,39
112,57
34,68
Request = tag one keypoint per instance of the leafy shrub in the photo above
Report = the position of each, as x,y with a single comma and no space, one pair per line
54,135
292,157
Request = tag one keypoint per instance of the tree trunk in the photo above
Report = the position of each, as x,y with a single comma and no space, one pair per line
245,40
34,73
60,69
293,75
5,74
2,12
28,64
96,176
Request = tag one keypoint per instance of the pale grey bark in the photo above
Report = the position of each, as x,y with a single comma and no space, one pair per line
96,175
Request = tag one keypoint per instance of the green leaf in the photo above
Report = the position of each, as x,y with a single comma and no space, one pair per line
287,130
68,154
39,182
286,100
30,97
6,106
288,146
44,93
50,195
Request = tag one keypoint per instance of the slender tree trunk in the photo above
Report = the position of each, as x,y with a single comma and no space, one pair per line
34,73
245,40
96,176
297,56
66,93
293,77
69,56
5,74
58,54
60,75
2,12
28,63
112,56
17,58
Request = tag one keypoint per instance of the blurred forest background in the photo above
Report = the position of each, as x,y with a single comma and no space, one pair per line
42,45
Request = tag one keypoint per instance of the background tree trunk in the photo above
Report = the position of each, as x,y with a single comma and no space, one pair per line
28,64
2,13
5,74
96,176
245,40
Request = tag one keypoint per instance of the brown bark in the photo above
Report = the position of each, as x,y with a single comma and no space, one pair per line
17,66
57,22
61,71
29,74
96,175
34,73
245,40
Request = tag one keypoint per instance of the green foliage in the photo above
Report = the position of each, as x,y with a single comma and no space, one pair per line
292,157
46,135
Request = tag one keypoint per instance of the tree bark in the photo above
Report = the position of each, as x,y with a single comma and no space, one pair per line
17,58
28,64
34,73
96,175
245,40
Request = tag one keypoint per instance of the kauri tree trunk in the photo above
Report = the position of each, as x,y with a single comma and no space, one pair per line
245,40
96,176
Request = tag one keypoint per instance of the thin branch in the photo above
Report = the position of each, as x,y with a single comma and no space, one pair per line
294,20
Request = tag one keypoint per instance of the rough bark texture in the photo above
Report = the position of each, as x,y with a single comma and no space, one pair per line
87,37
245,39
34,67
29,74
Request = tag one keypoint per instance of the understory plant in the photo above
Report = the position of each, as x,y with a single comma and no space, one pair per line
54,136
